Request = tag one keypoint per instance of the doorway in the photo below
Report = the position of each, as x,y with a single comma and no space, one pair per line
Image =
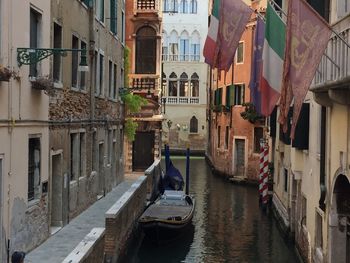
2,240
101,180
239,157
57,192
143,151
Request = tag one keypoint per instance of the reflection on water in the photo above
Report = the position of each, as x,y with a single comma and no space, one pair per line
228,226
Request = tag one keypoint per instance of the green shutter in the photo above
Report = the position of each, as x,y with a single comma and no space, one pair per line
215,97
227,102
113,18
243,94
232,95
220,96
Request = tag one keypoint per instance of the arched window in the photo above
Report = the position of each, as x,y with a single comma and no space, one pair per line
172,92
184,46
165,47
195,46
194,85
165,5
173,46
183,7
193,6
146,46
184,85
194,125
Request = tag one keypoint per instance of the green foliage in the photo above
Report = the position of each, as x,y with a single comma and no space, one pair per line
250,114
134,102
130,129
126,66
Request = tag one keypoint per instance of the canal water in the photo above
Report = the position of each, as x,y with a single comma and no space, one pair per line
228,226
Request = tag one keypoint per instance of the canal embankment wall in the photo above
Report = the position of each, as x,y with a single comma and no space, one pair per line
121,220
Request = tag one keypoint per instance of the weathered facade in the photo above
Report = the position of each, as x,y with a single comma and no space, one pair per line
233,143
24,130
86,135
311,173
143,38
184,74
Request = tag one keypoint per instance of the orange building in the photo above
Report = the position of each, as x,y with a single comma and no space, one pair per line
143,30
234,143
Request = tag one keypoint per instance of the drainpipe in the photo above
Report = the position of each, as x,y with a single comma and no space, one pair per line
92,57
323,159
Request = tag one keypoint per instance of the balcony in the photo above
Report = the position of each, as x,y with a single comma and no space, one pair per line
143,83
182,100
187,58
146,6
331,83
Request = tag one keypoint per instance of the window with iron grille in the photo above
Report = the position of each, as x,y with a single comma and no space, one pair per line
193,125
34,161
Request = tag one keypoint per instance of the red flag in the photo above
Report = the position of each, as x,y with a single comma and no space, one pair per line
234,16
306,39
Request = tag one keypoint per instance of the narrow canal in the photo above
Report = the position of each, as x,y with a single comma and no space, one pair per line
228,226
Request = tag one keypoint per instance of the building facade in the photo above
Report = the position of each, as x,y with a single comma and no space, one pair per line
61,127
143,38
24,130
311,173
233,142
184,78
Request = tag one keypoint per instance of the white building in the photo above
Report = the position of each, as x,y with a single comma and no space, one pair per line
185,27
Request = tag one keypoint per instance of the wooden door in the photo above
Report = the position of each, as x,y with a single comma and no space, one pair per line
143,151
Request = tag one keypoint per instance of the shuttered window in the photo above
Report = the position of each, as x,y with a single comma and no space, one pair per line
113,18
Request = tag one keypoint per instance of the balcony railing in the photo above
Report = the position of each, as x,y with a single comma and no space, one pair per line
182,100
144,82
192,58
146,6
335,63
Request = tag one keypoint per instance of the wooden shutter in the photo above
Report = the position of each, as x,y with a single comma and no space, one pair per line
232,95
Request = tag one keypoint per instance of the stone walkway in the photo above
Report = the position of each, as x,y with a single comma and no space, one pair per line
58,246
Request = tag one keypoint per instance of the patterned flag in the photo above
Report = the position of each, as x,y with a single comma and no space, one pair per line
306,39
254,84
234,16
273,53
211,40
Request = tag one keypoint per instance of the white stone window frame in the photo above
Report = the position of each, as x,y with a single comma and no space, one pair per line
101,90
79,87
40,38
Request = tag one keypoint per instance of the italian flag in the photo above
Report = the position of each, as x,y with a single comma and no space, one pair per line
273,55
211,41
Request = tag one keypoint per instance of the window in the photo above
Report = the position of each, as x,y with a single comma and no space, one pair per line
183,85
97,86
82,154
343,8
75,55
172,85
173,46
114,81
193,6
34,162
193,125
183,7
285,172
258,135
82,83
146,51
101,75
240,52
109,148
227,132
86,2
184,47
57,59
194,85
239,91
100,8
110,79
94,151
165,48
74,156
123,26
35,20
113,16
195,47
170,6
219,127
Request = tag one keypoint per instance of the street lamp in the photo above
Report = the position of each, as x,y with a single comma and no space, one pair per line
30,56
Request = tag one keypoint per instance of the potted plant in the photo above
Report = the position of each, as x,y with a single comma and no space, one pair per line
42,83
5,74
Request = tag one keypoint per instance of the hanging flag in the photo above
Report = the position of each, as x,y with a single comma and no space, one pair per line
234,16
306,40
273,54
254,84
211,40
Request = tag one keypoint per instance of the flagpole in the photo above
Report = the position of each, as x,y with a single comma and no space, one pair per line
335,32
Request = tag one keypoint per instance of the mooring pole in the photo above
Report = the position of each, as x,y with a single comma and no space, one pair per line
187,170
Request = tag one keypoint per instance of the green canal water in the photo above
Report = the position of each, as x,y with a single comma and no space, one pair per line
228,226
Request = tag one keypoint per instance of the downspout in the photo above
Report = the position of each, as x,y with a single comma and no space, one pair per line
323,189
92,57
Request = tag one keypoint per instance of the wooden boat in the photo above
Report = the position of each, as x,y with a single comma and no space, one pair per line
169,217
